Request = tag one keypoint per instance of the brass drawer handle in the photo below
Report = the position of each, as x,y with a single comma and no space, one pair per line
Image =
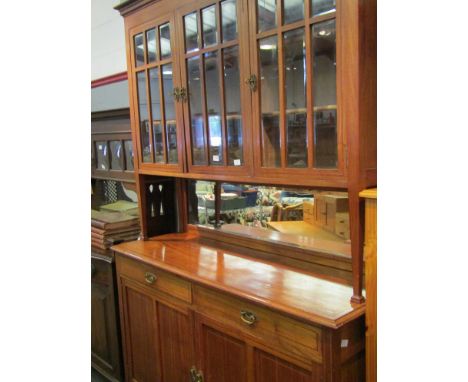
247,318
150,278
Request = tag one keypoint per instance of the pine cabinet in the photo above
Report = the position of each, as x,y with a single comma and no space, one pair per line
264,89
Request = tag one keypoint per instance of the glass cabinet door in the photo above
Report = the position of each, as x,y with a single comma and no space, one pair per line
156,77
213,71
295,103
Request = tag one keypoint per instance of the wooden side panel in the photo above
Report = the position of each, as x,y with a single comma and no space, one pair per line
176,343
224,357
269,368
354,369
370,256
141,341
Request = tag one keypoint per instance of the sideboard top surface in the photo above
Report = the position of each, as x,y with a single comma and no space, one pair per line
298,293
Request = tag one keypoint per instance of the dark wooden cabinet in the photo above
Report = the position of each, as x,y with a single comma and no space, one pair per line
105,331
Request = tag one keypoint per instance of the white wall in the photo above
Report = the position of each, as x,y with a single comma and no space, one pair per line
107,39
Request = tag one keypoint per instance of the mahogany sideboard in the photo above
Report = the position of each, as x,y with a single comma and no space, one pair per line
192,312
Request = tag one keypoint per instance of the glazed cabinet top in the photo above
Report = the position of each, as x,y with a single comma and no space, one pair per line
301,294
246,90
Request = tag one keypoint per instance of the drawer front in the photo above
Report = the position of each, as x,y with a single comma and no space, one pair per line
342,225
155,278
272,329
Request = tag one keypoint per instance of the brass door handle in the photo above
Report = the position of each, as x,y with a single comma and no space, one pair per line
183,93
195,376
252,82
248,318
150,278
176,94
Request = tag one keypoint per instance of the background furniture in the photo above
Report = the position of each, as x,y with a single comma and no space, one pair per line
106,354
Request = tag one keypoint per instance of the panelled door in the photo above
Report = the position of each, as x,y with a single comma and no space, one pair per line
296,114
155,84
226,355
158,343
213,42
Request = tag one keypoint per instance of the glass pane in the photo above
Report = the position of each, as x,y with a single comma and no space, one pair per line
196,115
233,105
165,41
293,10
151,45
156,114
144,119
269,80
128,155
191,32
116,155
266,14
102,156
213,108
229,20
210,31
295,83
158,142
139,49
324,88
320,7
169,108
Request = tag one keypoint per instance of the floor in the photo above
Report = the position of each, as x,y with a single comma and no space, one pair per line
96,377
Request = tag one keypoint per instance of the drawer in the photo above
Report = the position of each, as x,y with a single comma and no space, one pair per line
155,278
342,225
270,328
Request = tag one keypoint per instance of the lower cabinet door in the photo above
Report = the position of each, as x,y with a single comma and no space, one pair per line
141,340
158,337
223,357
269,368
176,340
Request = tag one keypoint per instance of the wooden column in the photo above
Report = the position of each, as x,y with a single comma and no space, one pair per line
370,257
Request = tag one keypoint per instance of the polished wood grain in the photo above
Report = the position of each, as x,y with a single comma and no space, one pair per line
223,358
277,331
300,294
164,281
370,257
273,369
331,259
176,338
141,339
